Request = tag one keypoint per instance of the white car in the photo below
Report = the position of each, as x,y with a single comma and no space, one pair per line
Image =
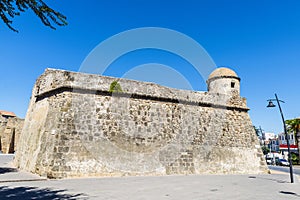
283,162
269,161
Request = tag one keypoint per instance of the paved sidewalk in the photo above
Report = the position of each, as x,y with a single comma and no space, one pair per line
8,173
206,187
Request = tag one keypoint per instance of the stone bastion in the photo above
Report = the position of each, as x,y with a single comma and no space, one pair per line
77,127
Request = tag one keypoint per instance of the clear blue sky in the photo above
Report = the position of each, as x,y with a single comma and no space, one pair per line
260,40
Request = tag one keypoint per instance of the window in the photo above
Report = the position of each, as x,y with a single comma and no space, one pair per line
232,84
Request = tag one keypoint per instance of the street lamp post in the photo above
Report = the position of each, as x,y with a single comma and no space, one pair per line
270,105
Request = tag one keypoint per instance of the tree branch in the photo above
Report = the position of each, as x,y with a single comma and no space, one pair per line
11,8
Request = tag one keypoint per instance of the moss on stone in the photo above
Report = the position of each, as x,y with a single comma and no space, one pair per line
115,87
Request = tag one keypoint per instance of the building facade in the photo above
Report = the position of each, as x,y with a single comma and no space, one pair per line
282,141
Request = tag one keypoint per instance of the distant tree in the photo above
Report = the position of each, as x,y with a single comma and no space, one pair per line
295,158
265,150
293,126
257,131
11,8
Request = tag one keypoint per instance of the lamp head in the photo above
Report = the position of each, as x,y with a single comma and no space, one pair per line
271,104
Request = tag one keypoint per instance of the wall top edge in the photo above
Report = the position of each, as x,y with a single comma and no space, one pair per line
54,79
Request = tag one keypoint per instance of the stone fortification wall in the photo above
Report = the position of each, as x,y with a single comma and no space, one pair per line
10,131
75,127
3,122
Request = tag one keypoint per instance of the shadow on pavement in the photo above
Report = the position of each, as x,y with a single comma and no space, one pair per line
4,170
36,193
290,193
270,179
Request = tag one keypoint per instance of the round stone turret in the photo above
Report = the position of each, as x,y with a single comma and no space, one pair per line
224,81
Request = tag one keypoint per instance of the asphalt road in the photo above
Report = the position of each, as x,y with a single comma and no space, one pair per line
296,169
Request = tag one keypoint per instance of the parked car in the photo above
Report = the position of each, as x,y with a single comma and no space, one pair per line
269,161
282,162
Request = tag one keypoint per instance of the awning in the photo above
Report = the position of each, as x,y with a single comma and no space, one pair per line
284,147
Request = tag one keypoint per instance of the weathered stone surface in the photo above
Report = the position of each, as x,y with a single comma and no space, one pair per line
74,127
10,130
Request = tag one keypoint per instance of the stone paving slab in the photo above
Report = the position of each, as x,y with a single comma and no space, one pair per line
206,187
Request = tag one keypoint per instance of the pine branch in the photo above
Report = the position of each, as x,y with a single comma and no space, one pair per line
11,8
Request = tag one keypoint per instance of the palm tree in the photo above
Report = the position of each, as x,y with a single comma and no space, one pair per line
293,126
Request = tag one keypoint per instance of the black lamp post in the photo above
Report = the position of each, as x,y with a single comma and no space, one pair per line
270,105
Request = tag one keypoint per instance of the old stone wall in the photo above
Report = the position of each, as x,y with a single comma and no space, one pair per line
3,122
75,127
10,131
